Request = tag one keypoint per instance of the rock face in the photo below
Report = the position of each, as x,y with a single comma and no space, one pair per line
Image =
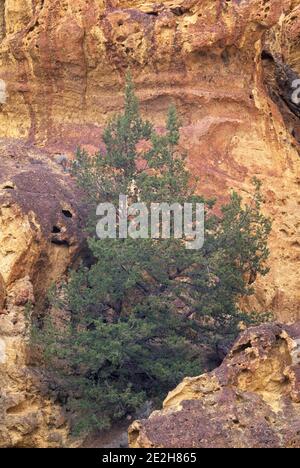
229,66
62,68
40,236
251,401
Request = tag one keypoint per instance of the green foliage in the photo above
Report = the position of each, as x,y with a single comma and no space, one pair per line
111,368
139,319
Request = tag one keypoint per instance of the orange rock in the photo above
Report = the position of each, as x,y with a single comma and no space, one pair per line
63,66
38,197
251,401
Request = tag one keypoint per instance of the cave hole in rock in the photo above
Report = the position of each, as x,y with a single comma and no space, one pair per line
242,348
56,230
265,55
8,187
152,13
63,243
32,28
67,213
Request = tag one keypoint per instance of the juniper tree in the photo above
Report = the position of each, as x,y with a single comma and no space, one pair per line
138,319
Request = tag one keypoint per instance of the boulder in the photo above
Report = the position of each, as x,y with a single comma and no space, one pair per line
251,401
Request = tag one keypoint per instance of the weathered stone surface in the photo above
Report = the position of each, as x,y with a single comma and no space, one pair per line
63,65
2,294
35,195
228,67
40,219
251,401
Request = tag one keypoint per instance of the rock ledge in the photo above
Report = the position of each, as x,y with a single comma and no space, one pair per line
251,401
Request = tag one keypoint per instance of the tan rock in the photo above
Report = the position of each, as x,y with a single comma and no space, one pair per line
63,65
32,257
62,69
251,401
2,294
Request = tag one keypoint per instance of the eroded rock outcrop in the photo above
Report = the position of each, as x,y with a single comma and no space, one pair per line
62,66
40,236
251,401
228,67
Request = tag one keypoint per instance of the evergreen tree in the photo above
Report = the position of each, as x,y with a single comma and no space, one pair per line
140,318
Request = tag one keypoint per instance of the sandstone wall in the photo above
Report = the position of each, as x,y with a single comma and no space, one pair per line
63,65
228,67
40,237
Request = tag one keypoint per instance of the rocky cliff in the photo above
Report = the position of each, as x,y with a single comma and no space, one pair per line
40,236
251,401
62,67
229,66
